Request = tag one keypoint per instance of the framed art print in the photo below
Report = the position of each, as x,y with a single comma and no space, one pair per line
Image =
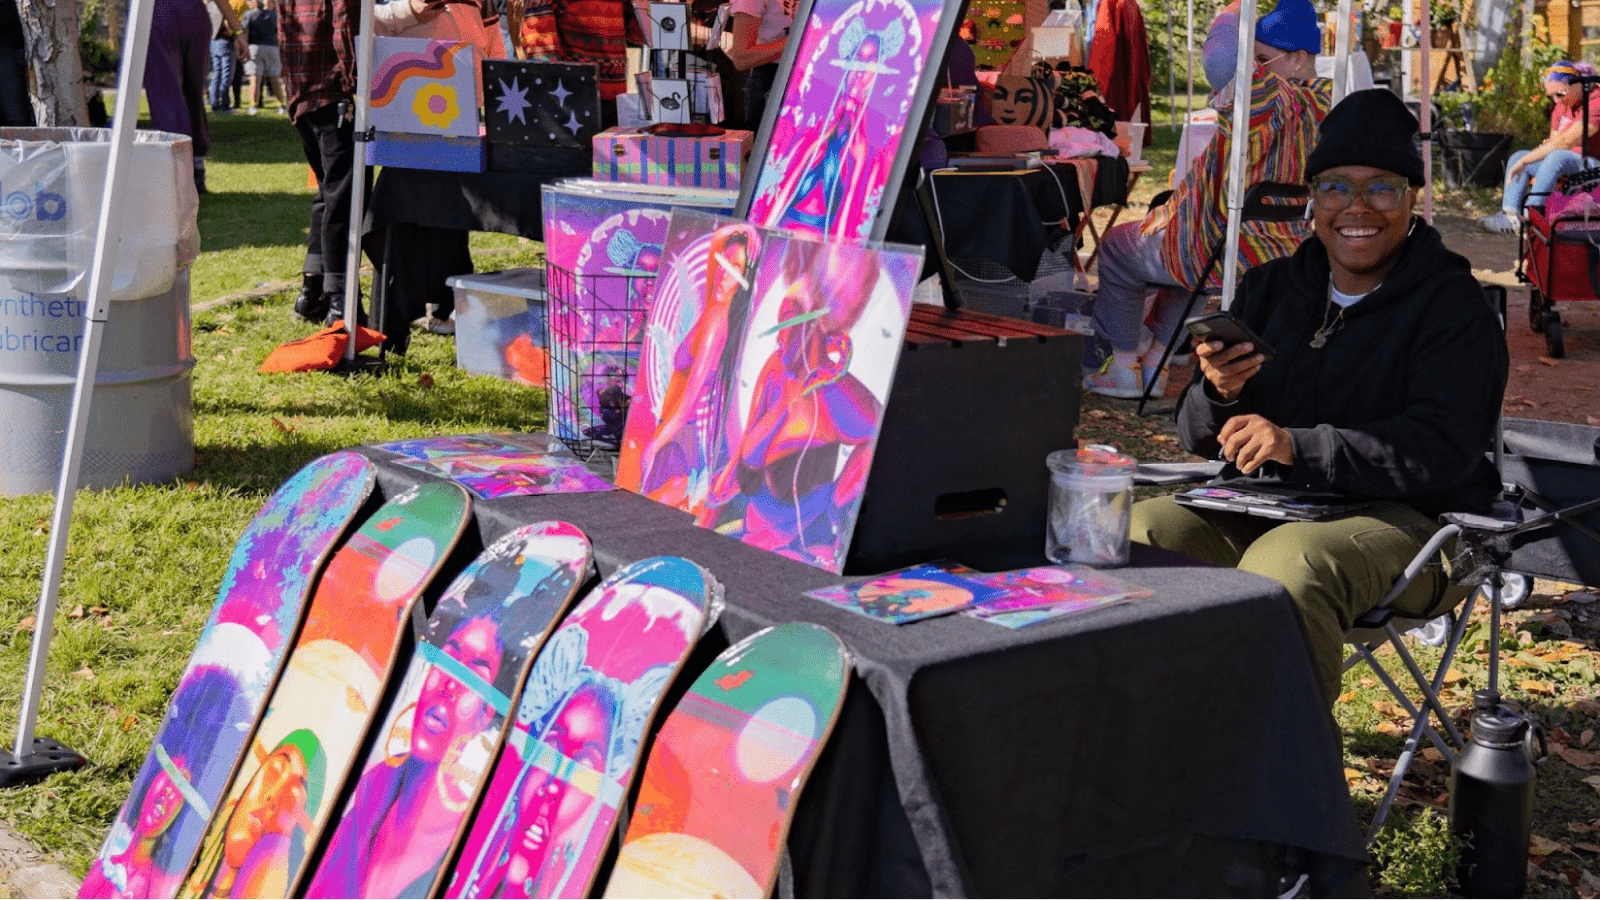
850,99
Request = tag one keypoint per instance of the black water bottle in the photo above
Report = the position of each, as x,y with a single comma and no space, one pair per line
1491,798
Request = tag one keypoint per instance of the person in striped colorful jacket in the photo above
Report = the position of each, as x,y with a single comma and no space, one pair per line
1168,250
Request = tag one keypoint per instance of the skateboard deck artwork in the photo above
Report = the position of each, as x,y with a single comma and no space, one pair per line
225,684
726,770
500,465
318,714
431,759
547,817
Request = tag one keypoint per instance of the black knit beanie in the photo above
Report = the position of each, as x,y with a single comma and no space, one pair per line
1368,128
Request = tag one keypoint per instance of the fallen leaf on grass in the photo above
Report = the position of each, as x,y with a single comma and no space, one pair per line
1579,758
85,673
77,612
27,624
1587,707
1548,361
1432,754
1453,676
1537,687
425,380
1593,781
130,723
286,429
1587,848
1527,402
1543,846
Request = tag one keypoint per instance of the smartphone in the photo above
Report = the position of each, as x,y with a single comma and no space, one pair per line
1222,326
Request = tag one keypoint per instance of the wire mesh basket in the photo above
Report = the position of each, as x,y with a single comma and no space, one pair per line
596,333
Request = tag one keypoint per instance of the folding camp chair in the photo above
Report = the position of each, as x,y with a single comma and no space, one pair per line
1269,201
1546,524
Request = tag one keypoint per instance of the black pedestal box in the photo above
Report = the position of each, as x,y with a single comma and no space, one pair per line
977,403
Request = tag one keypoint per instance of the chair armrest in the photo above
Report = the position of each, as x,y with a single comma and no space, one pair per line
1157,473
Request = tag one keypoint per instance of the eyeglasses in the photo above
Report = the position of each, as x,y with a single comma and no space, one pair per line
1381,194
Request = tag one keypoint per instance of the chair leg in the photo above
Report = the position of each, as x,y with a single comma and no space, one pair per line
1166,352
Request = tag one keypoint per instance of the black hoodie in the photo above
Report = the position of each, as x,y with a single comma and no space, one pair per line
1400,404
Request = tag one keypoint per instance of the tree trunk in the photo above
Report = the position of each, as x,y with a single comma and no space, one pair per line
51,27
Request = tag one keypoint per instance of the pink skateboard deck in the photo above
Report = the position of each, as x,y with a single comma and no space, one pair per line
551,807
431,758
224,687
281,796
725,772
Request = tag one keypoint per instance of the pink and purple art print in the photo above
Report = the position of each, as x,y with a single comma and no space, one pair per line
909,595
845,127
1028,596
500,465
766,365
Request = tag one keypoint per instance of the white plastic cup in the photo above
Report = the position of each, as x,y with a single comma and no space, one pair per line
1130,138
1091,494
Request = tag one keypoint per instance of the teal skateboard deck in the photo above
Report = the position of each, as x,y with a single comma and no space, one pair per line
726,770
551,806
431,759
303,747
224,686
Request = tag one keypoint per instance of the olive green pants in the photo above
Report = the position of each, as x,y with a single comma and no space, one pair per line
1335,569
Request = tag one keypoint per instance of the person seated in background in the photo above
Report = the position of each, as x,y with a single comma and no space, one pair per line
1386,386
1167,251
1532,174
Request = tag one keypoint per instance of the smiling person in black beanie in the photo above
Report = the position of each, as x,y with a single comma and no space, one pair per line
1385,387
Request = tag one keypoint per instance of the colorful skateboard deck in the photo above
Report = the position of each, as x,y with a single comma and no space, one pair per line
726,770
321,709
225,685
431,760
551,807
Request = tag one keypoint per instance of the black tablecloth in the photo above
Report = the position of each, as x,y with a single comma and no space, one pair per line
1168,745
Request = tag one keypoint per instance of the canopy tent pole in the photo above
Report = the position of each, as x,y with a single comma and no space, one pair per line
36,757
1341,51
1243,67
1172,74
358,189
1188,41
1425,111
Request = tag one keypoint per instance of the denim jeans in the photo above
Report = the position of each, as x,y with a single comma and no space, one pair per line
1533,185
220,89
1130,264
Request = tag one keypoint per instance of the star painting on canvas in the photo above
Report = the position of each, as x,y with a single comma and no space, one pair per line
542,103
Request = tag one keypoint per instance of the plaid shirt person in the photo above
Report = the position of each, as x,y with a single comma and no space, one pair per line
317,40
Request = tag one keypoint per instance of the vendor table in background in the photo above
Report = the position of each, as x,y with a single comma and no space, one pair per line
1009,217
417,222
1174,744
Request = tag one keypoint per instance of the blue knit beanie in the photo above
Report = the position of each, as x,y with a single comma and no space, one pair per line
1292,25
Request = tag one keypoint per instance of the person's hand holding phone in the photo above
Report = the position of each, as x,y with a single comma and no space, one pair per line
1230,353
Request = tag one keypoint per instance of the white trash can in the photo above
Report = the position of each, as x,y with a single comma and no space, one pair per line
141,422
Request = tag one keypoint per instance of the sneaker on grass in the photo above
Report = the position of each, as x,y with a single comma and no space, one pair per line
1501,222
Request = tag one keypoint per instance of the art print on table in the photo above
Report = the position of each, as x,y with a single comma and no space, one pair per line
909,595
843,134
422,86
492,465
766,365
1061,589
547,104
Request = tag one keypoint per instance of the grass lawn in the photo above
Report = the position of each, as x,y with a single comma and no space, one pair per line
144,562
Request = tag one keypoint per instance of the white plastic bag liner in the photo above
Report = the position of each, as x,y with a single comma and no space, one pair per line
141,424
51,184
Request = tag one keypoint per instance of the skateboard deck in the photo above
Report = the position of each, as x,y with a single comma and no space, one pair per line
551,806
726,770
424,774
225,684
320,710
